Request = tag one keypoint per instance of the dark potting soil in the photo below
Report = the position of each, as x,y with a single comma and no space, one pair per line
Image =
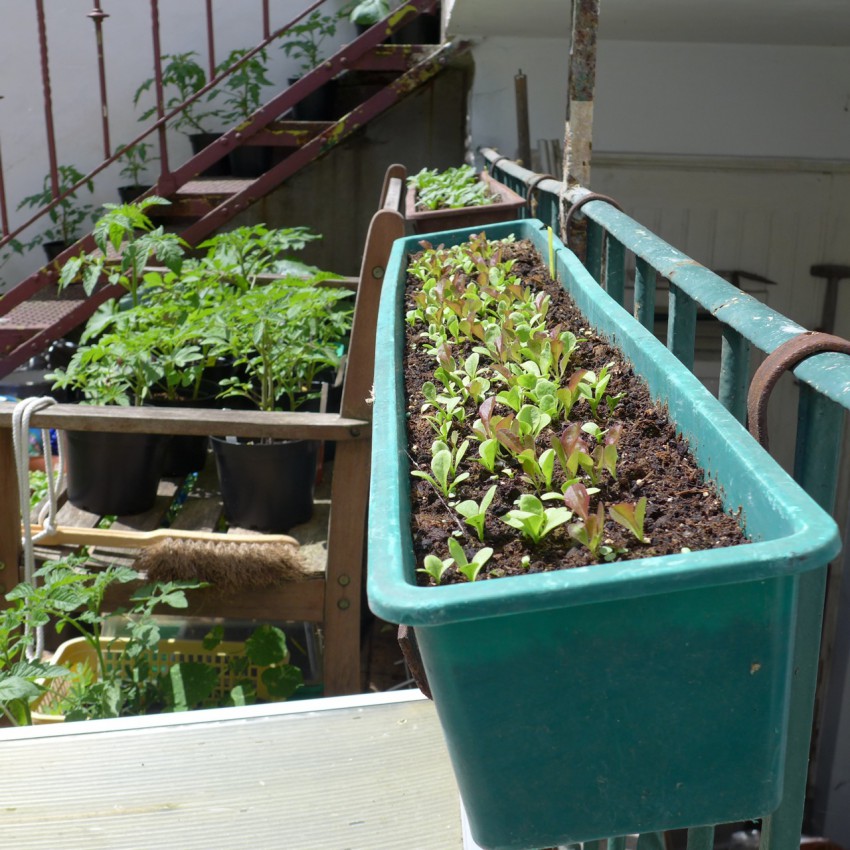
683,508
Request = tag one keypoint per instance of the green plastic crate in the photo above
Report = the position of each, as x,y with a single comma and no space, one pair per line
619,698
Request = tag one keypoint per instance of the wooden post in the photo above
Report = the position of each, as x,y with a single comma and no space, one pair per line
522,128
581,79
10,517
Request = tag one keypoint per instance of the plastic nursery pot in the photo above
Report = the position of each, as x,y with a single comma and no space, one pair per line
618,698
430,221
113,473
199,141
266,486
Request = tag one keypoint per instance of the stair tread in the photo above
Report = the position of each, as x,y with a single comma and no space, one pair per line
36,314
214,186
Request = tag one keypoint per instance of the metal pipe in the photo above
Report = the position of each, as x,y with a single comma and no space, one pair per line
97,15
522,128
4,213
266,19
48,98
160,103
210,38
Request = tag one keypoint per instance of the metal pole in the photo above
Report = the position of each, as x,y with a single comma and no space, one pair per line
266,20
48,98
522,128
160,102
210,38
97,15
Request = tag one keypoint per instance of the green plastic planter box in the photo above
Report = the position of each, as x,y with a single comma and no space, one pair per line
619,698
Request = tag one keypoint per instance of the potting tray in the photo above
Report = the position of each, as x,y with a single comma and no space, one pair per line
625,697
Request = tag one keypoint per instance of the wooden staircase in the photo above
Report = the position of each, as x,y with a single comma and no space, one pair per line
33,313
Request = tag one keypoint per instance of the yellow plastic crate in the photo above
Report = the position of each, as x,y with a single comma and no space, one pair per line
78,651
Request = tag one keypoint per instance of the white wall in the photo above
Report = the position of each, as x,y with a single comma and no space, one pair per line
670,98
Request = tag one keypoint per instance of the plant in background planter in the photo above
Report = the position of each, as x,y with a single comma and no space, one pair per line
596,669
68,219
457,197
120,367
280,336
367,13
183,76
304,42
95,676
240,96
135,164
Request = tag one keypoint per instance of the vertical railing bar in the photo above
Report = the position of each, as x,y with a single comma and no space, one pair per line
266,20
160,101
819,431
681,326
595,239
651,841
644,310
700,838
97,15
48,98
618,843
734,372
615,269
211,39
4,212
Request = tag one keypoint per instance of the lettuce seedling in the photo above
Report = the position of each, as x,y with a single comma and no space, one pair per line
443,481
631,516
435,567
466,567
475,514
590,529
533,519
488,453
538,470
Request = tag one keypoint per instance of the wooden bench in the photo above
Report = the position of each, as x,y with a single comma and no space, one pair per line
332,596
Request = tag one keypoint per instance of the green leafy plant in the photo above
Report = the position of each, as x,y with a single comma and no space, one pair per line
435,567
241,91
631,516
126,240
182,77
466,567
533,519
70,216
590,530
475,513
449,189
368,12
445,477
135,163
305,41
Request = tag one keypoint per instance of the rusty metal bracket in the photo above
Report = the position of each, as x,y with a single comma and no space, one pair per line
785,357
593,196
530,197
495,162
410,651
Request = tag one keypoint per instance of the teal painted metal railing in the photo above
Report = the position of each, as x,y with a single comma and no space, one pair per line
746,323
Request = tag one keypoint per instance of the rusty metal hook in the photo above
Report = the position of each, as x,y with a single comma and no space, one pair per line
785,357
530,197
593,196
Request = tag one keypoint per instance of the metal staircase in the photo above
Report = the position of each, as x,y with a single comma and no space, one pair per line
33,313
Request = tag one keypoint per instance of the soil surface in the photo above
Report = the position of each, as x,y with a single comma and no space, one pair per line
683,509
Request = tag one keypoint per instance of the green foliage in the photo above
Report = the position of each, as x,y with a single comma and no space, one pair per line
135,162
449,189
466,567
70,216
241,91
533,519
631,516
368,12
474,513
182,77
305,40
435,567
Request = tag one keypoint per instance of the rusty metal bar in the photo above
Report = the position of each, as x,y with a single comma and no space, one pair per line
97,15
266,19
4,212
210,38
48,98
160,100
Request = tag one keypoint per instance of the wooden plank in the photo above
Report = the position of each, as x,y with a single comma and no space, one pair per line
301,774
10,517
185,420
301,601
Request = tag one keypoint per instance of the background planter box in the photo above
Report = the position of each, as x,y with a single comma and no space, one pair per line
624,697
430,221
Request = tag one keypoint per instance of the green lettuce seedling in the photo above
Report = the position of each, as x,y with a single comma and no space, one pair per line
475,514
591,528
435,567
469,568
533,519
443,481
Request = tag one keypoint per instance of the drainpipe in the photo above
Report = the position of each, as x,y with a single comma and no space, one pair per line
581,80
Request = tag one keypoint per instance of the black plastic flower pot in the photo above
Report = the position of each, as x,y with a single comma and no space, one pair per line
113,473
250,160
199,141
316,106
266,486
